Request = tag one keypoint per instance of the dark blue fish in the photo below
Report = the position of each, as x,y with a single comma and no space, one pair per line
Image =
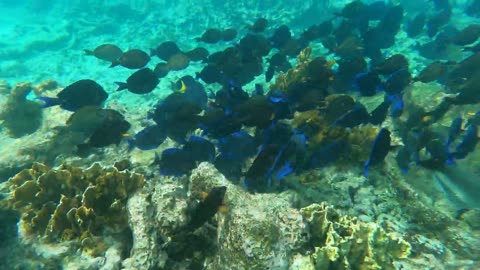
436,147
142,81
218,123
454,130
414,142
380,149
199,149
149,138
232,169
77,95
258,90
193,90
379,114
326,155
356,116
473,120
207,208
468,143
397,81
396,108
274,161
176,162
403,159
237,146
366,83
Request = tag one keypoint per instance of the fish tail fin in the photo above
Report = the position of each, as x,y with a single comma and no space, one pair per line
153,52
131,144
121,86
114,64
49,101
88,52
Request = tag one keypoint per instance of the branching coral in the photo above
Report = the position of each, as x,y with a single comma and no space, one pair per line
342,242
21,116
70,203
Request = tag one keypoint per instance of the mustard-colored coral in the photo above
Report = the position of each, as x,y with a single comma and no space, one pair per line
320,132
70,203
317,69
343,242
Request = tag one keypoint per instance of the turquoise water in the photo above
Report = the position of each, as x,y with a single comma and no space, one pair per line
331,153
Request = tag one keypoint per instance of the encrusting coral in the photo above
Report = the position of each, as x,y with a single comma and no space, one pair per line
21,116
71,203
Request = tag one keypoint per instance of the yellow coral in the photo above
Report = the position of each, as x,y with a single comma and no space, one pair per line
343,242
72,203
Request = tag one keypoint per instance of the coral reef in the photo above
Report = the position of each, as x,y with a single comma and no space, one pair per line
261,231
342,242
69,203
307,68
21,116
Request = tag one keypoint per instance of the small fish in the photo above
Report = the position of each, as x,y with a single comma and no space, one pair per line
211,36
397,81
211,74
454,130
109,131
326,154
178,61
392,64
132,59
229,34
280,36
176,162
237,146
435,71
381,147
396,108
269,73
207,208
149,138
437,21
436,147
468,143
379,114
107,52
199,149
193,91
468,35
259,25
197,54
77,95
165,50
474,119
258,90
366,83
403,159
142,81
161,70
354,117
416,25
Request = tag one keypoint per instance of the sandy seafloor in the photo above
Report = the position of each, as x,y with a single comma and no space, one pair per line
42,41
